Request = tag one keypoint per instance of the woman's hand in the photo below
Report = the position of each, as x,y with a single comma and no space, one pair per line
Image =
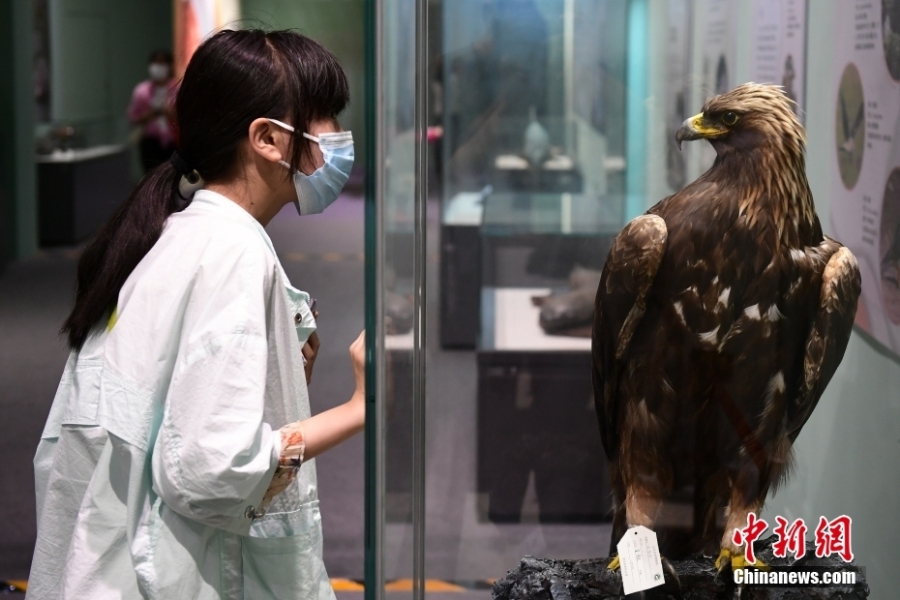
328,429
310,352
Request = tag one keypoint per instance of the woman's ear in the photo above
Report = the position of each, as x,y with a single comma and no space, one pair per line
269,141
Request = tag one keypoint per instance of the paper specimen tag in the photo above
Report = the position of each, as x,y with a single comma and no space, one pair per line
639,559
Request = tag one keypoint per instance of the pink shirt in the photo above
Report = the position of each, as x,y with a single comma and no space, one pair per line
146,95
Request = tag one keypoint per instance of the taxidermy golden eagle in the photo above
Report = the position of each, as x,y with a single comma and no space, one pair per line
721,315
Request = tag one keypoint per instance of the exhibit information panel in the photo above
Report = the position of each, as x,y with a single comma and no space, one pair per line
866,149
778,53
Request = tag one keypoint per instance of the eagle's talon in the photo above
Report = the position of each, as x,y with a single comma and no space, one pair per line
614,563
669,568
723,559
739,561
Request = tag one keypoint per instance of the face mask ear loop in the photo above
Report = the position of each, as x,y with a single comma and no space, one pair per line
280,124
311,137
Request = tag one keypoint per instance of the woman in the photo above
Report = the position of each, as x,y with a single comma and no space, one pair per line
175,462
150,107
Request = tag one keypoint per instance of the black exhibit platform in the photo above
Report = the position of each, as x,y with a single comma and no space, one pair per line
549,579
536,418
460,286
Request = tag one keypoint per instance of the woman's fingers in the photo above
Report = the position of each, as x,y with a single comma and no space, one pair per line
358,358
310,351
313,342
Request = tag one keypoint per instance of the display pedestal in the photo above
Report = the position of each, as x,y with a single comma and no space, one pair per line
460,286
536,422
78,191
549,579
461,270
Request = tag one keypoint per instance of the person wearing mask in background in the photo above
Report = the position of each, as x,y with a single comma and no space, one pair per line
150,110
176,461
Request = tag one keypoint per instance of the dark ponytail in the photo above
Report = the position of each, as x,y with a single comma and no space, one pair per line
117,248
233,78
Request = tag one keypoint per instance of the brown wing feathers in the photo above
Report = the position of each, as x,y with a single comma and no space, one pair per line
627,277
825,346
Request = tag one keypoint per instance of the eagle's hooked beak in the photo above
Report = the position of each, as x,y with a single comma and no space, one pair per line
695,128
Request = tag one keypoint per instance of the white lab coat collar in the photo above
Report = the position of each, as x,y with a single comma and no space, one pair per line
209,201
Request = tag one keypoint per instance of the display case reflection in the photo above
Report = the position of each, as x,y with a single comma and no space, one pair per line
533,191
530,156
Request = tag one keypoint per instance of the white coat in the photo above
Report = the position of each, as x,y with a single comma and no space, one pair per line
162,437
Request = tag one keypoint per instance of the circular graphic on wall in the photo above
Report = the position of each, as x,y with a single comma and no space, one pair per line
850,126
890,36
889,248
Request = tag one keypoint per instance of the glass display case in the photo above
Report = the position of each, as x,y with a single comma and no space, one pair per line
516,140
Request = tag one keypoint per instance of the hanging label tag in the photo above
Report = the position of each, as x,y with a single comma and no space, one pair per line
639,559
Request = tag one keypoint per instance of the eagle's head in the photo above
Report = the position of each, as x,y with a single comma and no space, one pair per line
759,145
749,117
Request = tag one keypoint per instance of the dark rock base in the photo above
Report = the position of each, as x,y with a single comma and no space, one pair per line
549,579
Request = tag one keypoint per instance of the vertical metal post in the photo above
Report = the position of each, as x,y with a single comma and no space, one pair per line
636,110
374,313
569,75
419,331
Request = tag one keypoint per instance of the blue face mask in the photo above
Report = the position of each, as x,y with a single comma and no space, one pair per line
317,191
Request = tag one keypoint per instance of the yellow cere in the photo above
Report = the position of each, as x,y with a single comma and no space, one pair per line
698,123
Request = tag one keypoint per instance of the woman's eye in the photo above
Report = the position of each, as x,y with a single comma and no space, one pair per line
729,118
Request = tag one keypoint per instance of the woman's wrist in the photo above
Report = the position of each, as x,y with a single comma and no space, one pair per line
357,407
293,444
293,448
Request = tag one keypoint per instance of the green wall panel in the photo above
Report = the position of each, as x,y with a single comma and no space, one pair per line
18,214
99,51
82,92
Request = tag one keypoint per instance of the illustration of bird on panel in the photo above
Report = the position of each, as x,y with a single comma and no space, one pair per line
721,316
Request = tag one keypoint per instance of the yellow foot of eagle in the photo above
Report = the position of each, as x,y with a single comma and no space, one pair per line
737,561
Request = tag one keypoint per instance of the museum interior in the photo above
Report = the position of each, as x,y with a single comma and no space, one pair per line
537,366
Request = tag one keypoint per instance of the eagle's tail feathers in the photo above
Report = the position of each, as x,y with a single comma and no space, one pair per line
780,463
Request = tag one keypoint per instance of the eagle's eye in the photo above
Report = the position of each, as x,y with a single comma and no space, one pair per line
729,118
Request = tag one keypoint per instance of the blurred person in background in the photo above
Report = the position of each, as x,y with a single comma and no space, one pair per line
176,461
151,108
